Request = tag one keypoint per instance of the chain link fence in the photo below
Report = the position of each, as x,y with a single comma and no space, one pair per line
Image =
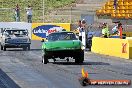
7,15
60,15
41,12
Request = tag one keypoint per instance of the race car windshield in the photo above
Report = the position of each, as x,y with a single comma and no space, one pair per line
62,36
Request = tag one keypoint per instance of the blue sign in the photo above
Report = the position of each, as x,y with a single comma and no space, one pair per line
44,30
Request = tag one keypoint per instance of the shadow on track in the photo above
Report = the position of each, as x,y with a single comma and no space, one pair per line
14,50
23,50
84,63
35,49
6,81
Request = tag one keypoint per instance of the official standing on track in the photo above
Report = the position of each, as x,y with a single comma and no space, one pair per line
80,30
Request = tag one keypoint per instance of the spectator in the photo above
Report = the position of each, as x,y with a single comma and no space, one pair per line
115,28
80,30
29,14
17,13
120,29
115,4
105,30
83,23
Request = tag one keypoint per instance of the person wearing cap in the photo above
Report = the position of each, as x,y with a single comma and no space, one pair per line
120,29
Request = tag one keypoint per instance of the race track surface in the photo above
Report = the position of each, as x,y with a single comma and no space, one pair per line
23,69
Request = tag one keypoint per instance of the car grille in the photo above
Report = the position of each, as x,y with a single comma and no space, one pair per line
17,40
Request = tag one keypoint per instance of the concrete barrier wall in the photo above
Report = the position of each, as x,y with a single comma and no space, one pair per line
112,46
130,48
128,34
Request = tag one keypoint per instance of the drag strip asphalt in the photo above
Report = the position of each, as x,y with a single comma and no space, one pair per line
27,71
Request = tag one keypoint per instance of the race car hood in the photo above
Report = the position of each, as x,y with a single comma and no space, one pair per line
18,36
18,39
62,45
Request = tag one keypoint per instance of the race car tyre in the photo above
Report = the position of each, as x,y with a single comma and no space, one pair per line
76,60
4,48
80,57
28,47
24,48
45,59
42,59
1,47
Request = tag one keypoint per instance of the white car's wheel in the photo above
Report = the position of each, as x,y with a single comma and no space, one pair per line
4,48
24,48
28,47
1,47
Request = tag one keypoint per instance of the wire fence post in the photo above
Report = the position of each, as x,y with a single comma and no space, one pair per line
43,10
71,15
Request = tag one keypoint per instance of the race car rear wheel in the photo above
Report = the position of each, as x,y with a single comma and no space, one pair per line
42,59
80,58
45,59
76,60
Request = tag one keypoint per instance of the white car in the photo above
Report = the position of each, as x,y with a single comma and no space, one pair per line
15,38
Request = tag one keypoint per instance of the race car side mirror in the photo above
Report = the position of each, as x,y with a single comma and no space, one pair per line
42,40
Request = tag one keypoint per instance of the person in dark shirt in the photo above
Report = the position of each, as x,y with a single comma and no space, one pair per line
17,13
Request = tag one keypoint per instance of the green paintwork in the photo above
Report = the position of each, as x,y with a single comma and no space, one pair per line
61,45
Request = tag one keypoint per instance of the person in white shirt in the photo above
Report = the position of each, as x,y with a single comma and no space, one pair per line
115,29
29,14
80,30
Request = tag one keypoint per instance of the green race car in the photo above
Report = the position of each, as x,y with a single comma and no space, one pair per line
61,45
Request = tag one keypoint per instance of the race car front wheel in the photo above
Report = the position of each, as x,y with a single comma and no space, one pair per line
42,59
